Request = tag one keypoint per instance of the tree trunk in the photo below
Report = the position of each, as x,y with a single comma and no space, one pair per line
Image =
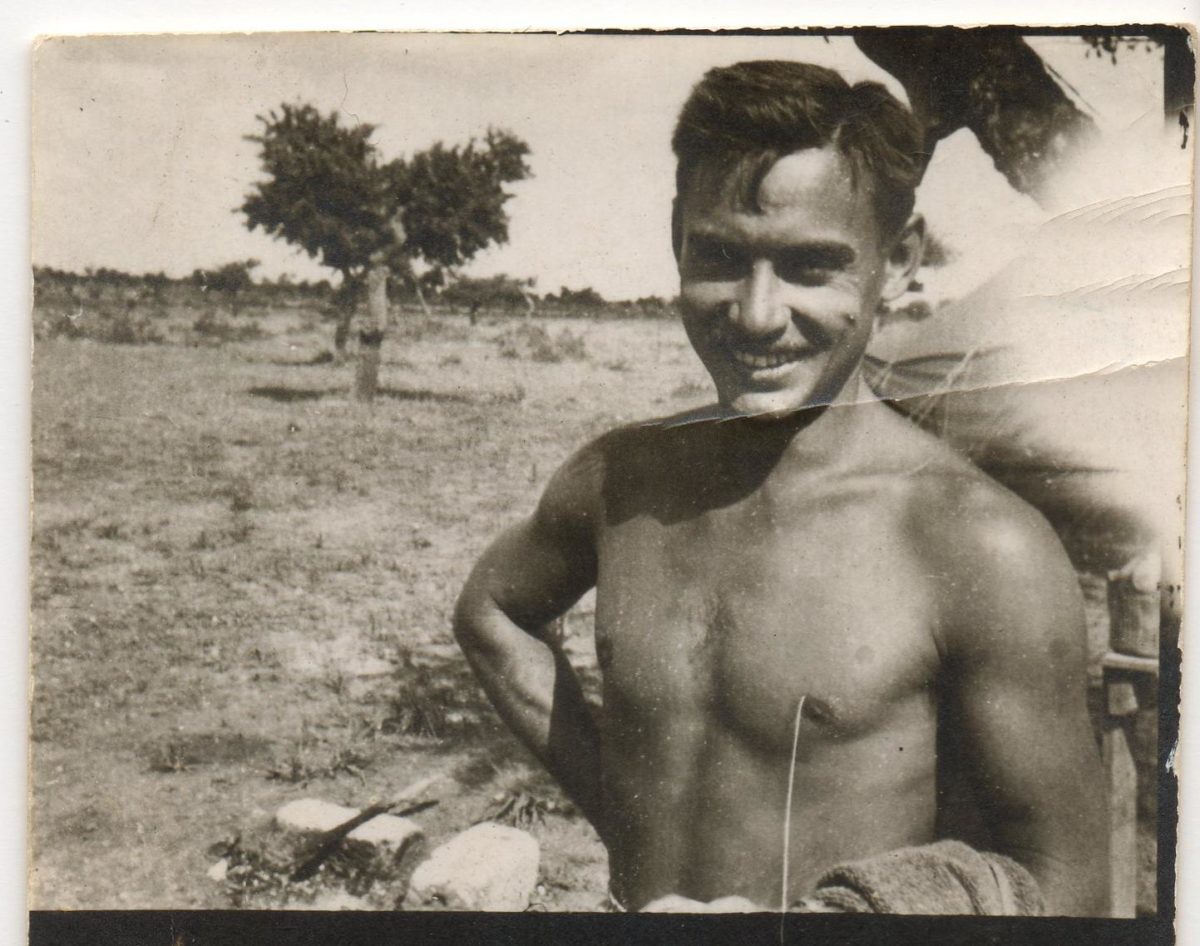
345,300
992,82
421,298
370,337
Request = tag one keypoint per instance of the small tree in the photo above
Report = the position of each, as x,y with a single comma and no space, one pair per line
232,279
327,191
499,291
586,298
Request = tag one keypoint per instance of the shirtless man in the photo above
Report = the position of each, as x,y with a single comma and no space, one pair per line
798,569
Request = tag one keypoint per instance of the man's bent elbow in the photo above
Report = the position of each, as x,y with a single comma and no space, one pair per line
472,615
483,630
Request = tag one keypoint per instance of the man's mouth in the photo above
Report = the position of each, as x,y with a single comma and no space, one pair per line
758,361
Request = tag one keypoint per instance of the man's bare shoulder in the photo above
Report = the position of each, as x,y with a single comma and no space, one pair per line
963,523
995,555
971,520
581,479
943,491
966,520
620,459
641,440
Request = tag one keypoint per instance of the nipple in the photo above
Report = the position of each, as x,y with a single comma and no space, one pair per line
815,709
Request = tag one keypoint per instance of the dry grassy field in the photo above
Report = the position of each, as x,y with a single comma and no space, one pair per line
242,583
243,580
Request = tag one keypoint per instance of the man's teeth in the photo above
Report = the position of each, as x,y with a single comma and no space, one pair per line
772,360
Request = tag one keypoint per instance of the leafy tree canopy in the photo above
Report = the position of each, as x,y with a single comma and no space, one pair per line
328,191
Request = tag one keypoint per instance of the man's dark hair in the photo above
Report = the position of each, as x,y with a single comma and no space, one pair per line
744,118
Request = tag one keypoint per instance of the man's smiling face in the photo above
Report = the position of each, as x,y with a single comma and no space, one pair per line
779,298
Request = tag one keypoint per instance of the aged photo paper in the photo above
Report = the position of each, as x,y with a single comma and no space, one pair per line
609,473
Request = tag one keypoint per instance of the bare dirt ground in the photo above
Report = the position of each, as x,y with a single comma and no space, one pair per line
242,583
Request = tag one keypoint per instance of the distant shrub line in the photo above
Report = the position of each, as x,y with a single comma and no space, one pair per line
125,308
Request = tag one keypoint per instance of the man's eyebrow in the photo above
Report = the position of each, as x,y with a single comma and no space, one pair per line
711,242
823,253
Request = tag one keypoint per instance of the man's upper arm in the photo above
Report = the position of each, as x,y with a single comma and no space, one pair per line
540,567
1014,646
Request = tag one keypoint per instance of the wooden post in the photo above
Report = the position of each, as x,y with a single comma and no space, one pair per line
1123,675
1121,775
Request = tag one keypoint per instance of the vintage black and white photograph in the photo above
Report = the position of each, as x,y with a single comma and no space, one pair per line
609,473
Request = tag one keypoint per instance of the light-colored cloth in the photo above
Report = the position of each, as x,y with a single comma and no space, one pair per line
944,878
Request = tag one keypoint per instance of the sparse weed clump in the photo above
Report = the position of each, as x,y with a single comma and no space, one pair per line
260,866
299,768
433,703
101,323
213,329
525,807
109,531
515,395
414,327
532,341
240,494
566,346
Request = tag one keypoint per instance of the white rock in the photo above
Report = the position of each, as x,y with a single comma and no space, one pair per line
314,816
219,870
336,900
487,867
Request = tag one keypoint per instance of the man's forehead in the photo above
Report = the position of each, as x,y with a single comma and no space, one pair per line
818,181
757,184
797,175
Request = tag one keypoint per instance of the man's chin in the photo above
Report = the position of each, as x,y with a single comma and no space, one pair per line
767,407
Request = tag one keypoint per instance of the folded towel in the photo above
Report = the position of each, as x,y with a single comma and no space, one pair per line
947,877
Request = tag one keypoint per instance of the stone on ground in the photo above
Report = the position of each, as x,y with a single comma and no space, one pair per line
314,816
336,900
487,867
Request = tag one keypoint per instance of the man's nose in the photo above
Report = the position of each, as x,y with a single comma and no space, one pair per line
758,309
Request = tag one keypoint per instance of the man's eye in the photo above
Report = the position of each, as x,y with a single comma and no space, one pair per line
803,273
812,266
714,260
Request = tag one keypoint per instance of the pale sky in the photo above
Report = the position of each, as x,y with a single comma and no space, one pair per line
140,161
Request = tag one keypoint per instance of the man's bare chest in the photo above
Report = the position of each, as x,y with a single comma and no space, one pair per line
732,617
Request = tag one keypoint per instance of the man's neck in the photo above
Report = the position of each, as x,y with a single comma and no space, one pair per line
811,436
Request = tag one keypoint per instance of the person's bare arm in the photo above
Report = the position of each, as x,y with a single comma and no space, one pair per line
530,576
1014,693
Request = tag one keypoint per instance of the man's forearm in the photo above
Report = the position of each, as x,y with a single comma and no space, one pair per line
536,692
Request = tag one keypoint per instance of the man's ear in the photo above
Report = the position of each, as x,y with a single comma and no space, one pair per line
904,260
677,228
